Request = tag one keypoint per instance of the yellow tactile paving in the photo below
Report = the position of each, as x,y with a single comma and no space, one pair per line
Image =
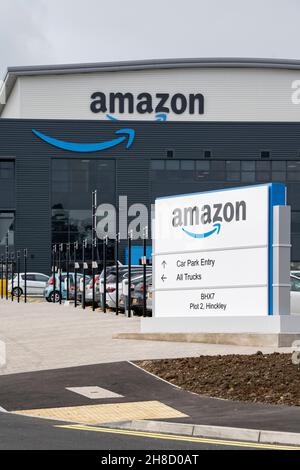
107,413
32,300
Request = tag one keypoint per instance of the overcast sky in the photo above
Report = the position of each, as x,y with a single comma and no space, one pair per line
68,31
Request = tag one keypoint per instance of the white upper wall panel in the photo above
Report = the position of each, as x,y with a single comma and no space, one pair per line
230,94
13,105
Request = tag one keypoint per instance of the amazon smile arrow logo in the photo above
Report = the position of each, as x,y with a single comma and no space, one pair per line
125,135
205,234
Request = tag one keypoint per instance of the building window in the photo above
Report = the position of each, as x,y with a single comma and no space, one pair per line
293,170
173,165
248,165
157,165
207,153
7,170
187,170
7,220
188,165
234,171
202,170
263,171
172,169
248,171
71,225
295,222
61,176
158,169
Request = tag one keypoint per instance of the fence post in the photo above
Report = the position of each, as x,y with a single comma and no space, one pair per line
12,260
6,267
117,271
54,271
84,245
104,272
18,270
94,241
145,271
2,274
129,273
25,274
61,247
75,273
94,266
68,269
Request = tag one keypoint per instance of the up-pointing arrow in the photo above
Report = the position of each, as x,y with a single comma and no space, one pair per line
164,263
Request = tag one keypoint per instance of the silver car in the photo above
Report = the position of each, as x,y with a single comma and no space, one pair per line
35,284
136,271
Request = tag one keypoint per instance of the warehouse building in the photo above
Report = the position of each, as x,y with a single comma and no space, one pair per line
142,130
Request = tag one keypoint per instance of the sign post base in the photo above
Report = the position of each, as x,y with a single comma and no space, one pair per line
277,330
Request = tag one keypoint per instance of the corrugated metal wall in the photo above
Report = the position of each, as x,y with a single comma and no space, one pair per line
188,140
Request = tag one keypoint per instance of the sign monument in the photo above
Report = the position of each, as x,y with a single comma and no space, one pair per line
221,262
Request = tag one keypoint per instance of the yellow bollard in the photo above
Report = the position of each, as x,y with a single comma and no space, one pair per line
3,288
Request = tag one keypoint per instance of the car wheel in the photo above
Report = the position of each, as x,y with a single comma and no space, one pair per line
55,299
17,292
48,299
137,311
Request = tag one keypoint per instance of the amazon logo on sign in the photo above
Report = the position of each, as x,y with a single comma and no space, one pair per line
147,103
211,215
123,136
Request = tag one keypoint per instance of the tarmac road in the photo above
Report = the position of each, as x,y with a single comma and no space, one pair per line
26,433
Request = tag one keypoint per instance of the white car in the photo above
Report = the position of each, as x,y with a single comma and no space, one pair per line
35,284
295,293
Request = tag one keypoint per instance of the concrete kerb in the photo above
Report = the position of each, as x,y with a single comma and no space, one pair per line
208,431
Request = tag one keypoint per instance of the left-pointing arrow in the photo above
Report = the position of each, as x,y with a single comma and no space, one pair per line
125,134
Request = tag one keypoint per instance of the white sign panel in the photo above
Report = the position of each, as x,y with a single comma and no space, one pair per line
211,253
207,269
212,302
217,219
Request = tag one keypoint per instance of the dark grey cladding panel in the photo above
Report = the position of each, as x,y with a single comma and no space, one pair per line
187,139
32,226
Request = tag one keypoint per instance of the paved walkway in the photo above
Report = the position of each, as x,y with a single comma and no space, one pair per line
62,395
42,336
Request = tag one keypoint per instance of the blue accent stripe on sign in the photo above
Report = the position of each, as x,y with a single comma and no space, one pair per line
216,229
277,197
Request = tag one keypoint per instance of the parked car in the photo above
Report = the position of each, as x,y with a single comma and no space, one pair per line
49,289
110,271
89,290
136,270
87,280
149,299
99,285
35,284
295,273
137,296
